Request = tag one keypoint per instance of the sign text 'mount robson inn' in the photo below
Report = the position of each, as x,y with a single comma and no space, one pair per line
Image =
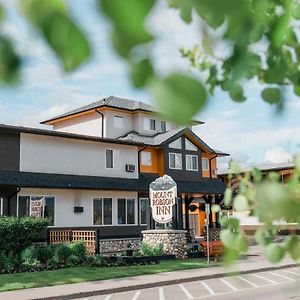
163,192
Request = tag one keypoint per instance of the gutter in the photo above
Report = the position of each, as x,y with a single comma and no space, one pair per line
102,125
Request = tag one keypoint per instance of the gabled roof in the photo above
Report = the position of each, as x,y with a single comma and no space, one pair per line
112,102
166,137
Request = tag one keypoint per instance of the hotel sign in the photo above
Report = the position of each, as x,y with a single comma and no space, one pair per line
163,193
36,208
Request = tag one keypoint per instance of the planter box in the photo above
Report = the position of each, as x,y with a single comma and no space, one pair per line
132,260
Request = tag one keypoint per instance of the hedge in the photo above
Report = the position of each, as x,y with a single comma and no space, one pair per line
16,234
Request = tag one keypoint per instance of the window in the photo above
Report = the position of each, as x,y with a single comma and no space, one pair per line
190,146
152,124
191,162
126,211
163,126
176,144
37,206
118,122
175,161
102,211
109,158
143,210
205,164
146,158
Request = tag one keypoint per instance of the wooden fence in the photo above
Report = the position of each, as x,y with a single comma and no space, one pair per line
61,236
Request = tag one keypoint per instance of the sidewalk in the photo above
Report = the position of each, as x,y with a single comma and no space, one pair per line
253,263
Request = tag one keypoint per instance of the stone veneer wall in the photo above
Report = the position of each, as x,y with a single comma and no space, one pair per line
118,245
174,241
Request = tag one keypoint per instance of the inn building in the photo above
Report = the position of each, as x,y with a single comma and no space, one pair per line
91,169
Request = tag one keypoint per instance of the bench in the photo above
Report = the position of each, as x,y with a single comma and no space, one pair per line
215,248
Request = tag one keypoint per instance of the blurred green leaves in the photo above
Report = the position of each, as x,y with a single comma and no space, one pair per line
9,61
59,30
271,95
179,96
272,202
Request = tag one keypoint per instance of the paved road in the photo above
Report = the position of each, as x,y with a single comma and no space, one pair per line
275,285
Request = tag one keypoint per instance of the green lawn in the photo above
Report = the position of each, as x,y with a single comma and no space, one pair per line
80,274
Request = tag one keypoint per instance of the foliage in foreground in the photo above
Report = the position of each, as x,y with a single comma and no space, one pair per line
239,27
271,202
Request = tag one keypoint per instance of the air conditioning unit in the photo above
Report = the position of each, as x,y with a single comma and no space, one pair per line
130,168
78,209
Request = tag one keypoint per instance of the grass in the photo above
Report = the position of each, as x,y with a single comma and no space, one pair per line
18,281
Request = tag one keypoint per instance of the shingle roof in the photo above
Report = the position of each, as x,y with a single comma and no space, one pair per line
62,181
162,138
111,101
154,140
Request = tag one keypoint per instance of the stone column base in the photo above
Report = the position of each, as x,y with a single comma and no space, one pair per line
174,241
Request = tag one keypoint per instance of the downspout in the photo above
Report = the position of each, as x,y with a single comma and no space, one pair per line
10,196
102,125
210,173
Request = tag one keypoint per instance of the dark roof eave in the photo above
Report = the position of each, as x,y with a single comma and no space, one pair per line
63,181
38,131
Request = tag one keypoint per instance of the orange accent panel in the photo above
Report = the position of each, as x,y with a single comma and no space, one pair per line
206,173
154,161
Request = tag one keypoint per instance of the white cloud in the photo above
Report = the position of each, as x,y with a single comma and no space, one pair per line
277,155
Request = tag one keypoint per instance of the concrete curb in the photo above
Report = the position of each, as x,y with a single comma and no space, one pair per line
161,283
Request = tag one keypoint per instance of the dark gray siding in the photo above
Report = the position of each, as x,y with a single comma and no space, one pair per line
183,175
9,151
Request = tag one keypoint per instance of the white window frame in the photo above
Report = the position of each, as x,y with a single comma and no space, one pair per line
143,153
135,211
102,207
174,153
174,146
140,214
117,119
204,169
189,145
163,122
113,163
191,157
35,195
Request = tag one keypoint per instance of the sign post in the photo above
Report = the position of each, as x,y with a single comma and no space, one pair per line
207,212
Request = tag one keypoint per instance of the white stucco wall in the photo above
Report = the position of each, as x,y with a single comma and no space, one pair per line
65,200
48,154
139,123
90,124
110,130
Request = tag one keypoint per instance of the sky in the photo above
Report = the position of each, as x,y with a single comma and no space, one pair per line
252,132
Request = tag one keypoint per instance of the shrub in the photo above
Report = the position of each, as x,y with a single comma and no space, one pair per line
158,249
16,234
53,261
91,260
30,265
73,260
7,263
29,254
63,252
147,250
78,249
43,254
98,260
